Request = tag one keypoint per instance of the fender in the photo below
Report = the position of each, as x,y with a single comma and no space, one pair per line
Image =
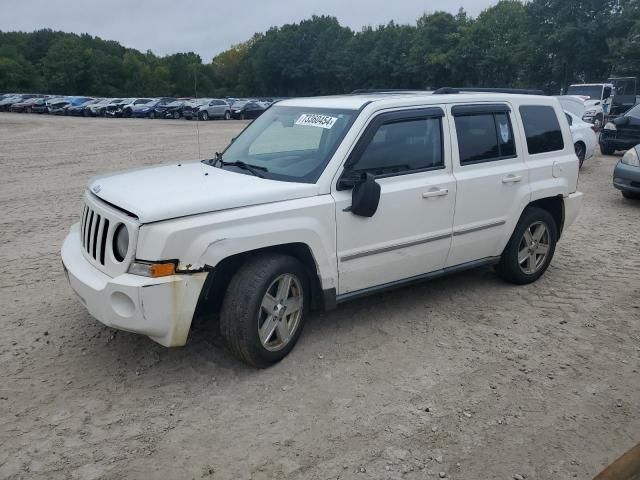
201,241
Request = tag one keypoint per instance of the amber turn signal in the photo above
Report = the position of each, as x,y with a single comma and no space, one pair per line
153,270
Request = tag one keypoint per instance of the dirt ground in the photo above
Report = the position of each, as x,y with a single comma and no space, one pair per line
464,376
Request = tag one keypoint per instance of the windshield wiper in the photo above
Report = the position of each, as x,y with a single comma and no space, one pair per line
254,169
217,161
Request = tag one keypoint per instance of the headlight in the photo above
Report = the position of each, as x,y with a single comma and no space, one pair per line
238,111
631,158
610,126
121,242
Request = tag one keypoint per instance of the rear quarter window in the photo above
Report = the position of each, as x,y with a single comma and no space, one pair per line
541,128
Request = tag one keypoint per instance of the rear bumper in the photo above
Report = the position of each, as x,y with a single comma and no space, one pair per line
626,178
572,206
161,308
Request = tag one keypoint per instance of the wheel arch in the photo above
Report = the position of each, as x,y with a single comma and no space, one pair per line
555,206
218,279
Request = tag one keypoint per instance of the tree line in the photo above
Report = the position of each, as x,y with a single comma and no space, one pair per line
545,44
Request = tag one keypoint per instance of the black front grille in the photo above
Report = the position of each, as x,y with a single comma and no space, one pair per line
93,232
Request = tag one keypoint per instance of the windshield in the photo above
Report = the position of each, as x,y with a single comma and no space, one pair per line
176,103
591,91
291,143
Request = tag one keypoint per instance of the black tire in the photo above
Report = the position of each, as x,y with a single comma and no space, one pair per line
607,149
631,195
509,268
204,116
152,114
581,151
176,115
241,307
242,116
227,115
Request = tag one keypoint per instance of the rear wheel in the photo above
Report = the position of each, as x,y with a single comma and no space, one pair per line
176,115
580,152
264,309
530,249
227,115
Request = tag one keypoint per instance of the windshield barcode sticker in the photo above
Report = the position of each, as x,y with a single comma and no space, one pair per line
315,120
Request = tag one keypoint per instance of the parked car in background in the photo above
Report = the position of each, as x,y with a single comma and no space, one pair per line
82,109
150,109
161,108
191,108
98,109
127,110
116,109
215,108
40,106
173,109
585,139
5,104
626,175
597,100
247,111
24,106
58,106
621,133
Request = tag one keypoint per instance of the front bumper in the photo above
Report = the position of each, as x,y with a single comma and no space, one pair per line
626,178
161,308
572,206
614,139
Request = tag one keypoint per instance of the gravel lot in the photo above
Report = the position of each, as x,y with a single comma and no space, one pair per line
464,375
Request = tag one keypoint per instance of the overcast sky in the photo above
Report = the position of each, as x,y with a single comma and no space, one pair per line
206,27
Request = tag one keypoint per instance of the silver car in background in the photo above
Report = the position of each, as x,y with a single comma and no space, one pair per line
216,108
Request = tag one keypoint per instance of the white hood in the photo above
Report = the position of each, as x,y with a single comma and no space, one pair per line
172,191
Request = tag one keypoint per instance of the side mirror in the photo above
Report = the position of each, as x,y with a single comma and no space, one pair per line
366,197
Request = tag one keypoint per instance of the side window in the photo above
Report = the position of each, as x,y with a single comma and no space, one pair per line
484,137
402,146
542,129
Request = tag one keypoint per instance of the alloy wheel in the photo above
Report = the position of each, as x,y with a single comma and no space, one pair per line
534,248
280,312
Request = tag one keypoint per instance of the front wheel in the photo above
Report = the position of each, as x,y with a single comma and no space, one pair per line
204,116
264,309
176,115
152,114
530,249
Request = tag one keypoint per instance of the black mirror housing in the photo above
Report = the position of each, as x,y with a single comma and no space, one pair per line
366,197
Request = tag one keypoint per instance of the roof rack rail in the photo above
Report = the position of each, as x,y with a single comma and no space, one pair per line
361,91
520,91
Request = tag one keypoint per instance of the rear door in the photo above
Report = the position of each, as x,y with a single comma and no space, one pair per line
408,153
492,178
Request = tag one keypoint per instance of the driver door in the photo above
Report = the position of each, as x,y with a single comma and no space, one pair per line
408,152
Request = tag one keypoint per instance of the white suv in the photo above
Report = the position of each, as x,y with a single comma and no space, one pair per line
322,200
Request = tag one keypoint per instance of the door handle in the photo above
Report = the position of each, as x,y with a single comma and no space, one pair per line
436,193
512,179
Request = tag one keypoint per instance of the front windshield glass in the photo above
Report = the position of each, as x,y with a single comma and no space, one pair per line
593,92
291,143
